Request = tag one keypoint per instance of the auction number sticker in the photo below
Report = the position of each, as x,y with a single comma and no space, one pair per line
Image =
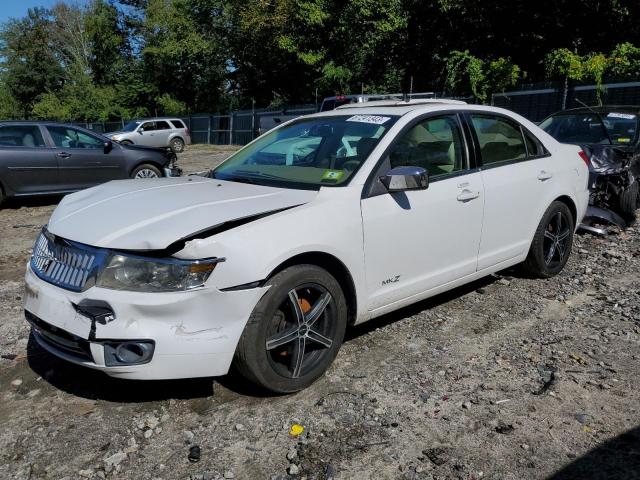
374,119
626,116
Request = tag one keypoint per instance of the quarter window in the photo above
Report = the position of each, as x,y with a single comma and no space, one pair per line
66,137
28,136
435,144
178,124
534,146
500,140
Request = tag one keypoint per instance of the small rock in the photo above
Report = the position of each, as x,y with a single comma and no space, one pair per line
194,454
466,405
439,456
17,382
239,427
188,436
292,454
147,433
293,469
88,473
524,446
114,460
504,428
229,474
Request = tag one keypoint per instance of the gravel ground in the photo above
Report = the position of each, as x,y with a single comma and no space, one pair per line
507,378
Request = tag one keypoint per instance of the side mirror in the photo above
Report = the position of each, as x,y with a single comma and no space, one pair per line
108,146
141,130
400,179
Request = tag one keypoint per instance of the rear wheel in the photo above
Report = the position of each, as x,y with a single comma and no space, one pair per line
295,330
552,242
629,202
177,145
146,171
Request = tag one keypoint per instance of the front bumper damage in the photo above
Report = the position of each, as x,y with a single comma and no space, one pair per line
193,333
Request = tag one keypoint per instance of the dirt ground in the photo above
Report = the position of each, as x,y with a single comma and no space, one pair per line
507,378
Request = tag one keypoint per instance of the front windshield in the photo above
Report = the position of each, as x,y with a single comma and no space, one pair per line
589,128
308,153
131,126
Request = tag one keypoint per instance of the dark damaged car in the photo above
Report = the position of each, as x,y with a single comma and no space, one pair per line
51,158
609,137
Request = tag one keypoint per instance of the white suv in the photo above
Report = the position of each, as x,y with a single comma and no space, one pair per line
154,132
327,221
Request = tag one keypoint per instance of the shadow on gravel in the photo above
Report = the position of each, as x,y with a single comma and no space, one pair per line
617,459
87,383
15,203
408,311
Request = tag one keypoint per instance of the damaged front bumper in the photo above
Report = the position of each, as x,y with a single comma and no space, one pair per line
188,334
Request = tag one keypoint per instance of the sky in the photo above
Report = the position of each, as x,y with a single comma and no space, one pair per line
18,8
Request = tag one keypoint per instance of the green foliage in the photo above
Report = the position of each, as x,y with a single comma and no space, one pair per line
563,63
595,66
625,61
501,74
168,105
465,74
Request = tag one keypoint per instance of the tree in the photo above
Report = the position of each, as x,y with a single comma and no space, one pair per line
465,74
29,57
625,61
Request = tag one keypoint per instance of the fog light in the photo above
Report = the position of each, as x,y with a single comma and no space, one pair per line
129,352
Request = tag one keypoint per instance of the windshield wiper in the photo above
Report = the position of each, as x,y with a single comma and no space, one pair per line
258,174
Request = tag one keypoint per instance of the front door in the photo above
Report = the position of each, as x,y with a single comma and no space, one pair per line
82,158
418,240
28,165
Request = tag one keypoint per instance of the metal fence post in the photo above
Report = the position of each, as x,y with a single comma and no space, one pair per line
208,129
230,127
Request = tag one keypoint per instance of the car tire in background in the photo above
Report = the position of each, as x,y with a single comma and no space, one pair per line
629,202
177,145
126,142
552,242
304,311
146,170
1,195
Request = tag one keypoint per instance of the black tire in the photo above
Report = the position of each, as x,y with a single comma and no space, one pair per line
629,202
146,170
1,195
126,142
274,321
552,242
177,145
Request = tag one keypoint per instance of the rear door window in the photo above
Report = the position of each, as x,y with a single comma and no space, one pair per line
28,136
501,140
162,125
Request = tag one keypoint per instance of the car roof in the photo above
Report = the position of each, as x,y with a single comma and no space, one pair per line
400,108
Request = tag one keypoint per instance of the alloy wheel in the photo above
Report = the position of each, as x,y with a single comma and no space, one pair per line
146,173
556,239
301,331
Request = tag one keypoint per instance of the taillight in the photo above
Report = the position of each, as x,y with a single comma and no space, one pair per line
187,132
584,157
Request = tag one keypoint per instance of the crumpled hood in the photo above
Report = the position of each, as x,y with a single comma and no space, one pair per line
152,214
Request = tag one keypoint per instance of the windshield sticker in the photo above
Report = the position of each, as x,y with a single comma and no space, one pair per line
626,116
373,119
624,140
332,175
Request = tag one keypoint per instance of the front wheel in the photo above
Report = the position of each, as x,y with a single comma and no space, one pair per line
552,242
294,332
629,202
126,142
146,171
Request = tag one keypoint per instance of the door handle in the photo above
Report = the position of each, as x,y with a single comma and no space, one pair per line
544,175
467,195
64,155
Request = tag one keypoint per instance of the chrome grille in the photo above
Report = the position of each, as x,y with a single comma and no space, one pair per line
65,264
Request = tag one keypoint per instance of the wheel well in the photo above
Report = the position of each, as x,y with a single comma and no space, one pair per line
572,206
336,268
177,137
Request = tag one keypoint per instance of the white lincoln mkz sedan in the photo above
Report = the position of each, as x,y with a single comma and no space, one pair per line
327,221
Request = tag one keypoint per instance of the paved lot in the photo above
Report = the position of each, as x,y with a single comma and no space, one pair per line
507,378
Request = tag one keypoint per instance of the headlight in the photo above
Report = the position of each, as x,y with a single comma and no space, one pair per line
140,274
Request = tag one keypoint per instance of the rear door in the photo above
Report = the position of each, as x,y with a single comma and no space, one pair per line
162,133
27,164
82,158
419,240
516,173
